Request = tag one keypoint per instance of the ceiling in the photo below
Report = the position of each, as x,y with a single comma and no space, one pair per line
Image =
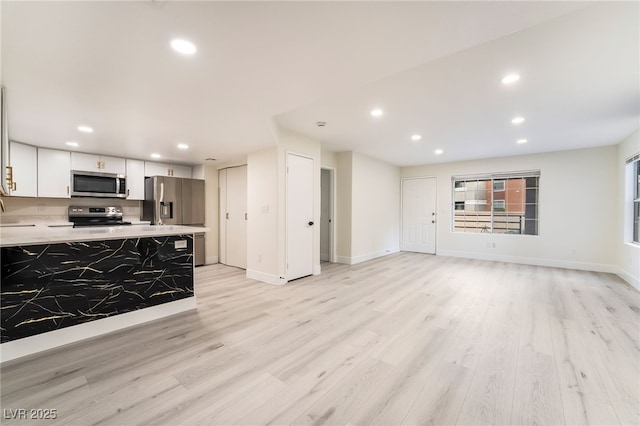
433,67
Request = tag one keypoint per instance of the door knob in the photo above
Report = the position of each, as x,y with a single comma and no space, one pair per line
310,223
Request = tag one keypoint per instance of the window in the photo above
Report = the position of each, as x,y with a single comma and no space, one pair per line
498,203
633,172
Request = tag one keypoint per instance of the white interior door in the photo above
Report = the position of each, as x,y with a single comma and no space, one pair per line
233,232
300,220
419,215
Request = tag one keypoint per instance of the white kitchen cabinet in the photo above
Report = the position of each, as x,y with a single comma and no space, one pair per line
151,168
181,171
54,173
135,179
97,163
23,163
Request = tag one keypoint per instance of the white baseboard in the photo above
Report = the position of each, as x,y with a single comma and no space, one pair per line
266,278
64,336
633,281
364,257
554,263
211,260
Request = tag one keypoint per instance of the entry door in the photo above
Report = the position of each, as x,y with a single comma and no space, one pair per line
419,215
300,220
233,216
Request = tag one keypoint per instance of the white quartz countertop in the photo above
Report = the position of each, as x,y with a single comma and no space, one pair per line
29,234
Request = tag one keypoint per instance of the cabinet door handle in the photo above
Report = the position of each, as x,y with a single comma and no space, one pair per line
67,189
13,186
128,192
245,216
9,174
98,164
227,215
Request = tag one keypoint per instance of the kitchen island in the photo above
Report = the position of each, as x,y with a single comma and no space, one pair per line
61,284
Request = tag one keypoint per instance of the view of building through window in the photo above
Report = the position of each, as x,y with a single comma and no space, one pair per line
497,204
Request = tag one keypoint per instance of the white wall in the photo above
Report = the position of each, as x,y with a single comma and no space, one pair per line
577,210
262,210
368,208
329,159
627,254
343,207
375,224
210,176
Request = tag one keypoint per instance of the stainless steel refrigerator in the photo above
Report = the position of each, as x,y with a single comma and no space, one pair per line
176,201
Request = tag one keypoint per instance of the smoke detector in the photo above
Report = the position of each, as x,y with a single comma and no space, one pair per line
321,123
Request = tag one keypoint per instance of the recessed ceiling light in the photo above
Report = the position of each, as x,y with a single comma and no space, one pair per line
438,151
510,78
74,144
377,112
521,141
183,146
517,120
154,155
416,137
85,129
183,46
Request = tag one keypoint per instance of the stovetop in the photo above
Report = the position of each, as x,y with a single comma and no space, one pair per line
83,216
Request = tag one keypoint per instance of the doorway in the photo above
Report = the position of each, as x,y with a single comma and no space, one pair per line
327,214
419,215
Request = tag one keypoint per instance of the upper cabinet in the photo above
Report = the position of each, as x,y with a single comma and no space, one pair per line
43,172
97,163
54,173
22,174
163,169
135,179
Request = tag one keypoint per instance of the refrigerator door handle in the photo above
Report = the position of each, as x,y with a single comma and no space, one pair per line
159,205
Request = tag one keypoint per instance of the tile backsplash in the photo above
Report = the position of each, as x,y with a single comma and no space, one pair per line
26,209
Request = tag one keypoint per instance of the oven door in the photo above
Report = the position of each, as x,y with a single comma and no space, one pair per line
102,185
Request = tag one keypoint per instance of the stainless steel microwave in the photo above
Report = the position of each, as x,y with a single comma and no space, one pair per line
95,184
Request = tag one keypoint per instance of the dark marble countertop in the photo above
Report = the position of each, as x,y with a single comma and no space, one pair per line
41,234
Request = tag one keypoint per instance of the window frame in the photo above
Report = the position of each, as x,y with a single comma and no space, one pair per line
529,219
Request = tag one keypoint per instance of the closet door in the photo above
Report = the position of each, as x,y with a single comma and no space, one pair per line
233,216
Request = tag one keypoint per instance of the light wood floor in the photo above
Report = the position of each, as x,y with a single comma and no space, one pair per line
405,339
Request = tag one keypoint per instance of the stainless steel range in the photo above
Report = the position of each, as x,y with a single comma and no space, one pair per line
96,216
